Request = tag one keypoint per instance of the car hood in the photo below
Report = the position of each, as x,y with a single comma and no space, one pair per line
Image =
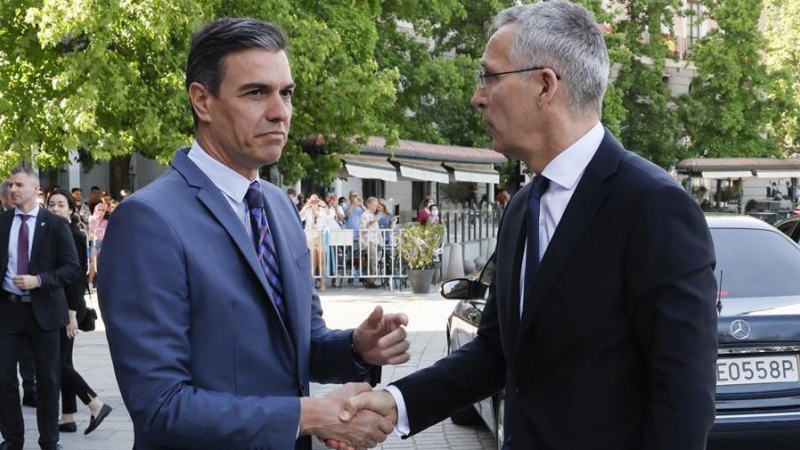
767,319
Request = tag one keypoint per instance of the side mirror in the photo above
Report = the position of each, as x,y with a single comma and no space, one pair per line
456,289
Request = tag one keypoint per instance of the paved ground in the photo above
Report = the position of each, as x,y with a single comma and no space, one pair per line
344,308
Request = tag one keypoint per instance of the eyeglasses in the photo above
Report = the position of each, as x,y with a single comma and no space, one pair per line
481,75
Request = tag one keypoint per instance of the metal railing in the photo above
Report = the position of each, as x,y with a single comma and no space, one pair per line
470,225
354,256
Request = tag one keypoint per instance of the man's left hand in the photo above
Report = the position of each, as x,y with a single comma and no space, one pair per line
381,339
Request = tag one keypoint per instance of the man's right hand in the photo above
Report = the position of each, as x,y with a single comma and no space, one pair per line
380,402
320,417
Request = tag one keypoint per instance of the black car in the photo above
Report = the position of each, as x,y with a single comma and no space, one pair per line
789,227
758,384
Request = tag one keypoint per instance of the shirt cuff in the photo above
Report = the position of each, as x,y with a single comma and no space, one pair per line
402,428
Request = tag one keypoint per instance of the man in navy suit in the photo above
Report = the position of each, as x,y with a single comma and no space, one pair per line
38,258
600,324
213,324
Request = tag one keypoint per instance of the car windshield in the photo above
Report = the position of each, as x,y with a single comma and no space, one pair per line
756,263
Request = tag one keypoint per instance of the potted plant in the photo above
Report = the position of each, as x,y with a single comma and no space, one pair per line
419,246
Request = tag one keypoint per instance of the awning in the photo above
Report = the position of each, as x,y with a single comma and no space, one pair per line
369,167
777,174
422,170
473,173
734,174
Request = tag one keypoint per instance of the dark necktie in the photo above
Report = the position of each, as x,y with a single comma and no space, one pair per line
22,246
538,188
265,248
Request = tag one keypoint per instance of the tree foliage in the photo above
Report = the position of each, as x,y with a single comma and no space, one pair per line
650,125
782,32
732,102
108,76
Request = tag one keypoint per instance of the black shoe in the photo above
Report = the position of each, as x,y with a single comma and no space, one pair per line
68,427
9,446
95,422
28,400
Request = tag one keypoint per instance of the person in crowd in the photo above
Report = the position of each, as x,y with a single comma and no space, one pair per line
213,324
40,260
434,217
292,194
98,222
314,215
370,240
607,263
83,209
472,198
386,220
335,213
353,212
424,210
95,198
61,203
501,199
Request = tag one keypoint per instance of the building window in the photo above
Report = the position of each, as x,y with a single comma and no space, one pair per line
373,188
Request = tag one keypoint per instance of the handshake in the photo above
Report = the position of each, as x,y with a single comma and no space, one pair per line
352,417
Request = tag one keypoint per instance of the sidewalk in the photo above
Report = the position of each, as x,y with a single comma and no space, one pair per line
343,308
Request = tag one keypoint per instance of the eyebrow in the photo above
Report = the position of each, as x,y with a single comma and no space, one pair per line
266,87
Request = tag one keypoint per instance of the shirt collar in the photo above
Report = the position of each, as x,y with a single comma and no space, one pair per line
566,168
33,213
230,182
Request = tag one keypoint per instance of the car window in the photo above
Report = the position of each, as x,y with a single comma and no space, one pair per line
756,263
787,227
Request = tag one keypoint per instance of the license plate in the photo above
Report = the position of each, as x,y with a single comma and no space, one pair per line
759,369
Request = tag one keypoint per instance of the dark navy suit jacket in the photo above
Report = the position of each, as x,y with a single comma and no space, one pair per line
53,258
202,357
616,348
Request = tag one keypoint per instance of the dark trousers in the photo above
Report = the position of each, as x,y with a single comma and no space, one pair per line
17,322
72,383
27,368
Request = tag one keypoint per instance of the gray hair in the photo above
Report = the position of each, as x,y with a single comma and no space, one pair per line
27,171
4,189
565,37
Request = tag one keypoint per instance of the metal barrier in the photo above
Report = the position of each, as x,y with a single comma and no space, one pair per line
357,256
470,225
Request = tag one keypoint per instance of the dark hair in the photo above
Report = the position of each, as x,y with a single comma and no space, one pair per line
94,188
77,189
70,202
215,41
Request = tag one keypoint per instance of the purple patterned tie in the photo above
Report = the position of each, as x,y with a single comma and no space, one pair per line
22,246
265,248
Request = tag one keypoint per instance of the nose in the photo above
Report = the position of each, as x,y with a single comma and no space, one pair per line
478,99
279,108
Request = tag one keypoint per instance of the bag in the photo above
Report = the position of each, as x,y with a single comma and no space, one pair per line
88,322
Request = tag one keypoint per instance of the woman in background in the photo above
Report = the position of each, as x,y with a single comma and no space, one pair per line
61,204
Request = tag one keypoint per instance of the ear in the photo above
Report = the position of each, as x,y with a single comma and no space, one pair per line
550,86
200,98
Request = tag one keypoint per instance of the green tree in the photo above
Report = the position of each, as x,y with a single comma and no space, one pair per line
782,31
732,101
108,77
650,125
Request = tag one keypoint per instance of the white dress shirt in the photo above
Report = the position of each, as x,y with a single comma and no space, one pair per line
13,238
564,173
230,182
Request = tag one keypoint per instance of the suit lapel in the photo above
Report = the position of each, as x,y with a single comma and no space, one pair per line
219,207
40,226
588,198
